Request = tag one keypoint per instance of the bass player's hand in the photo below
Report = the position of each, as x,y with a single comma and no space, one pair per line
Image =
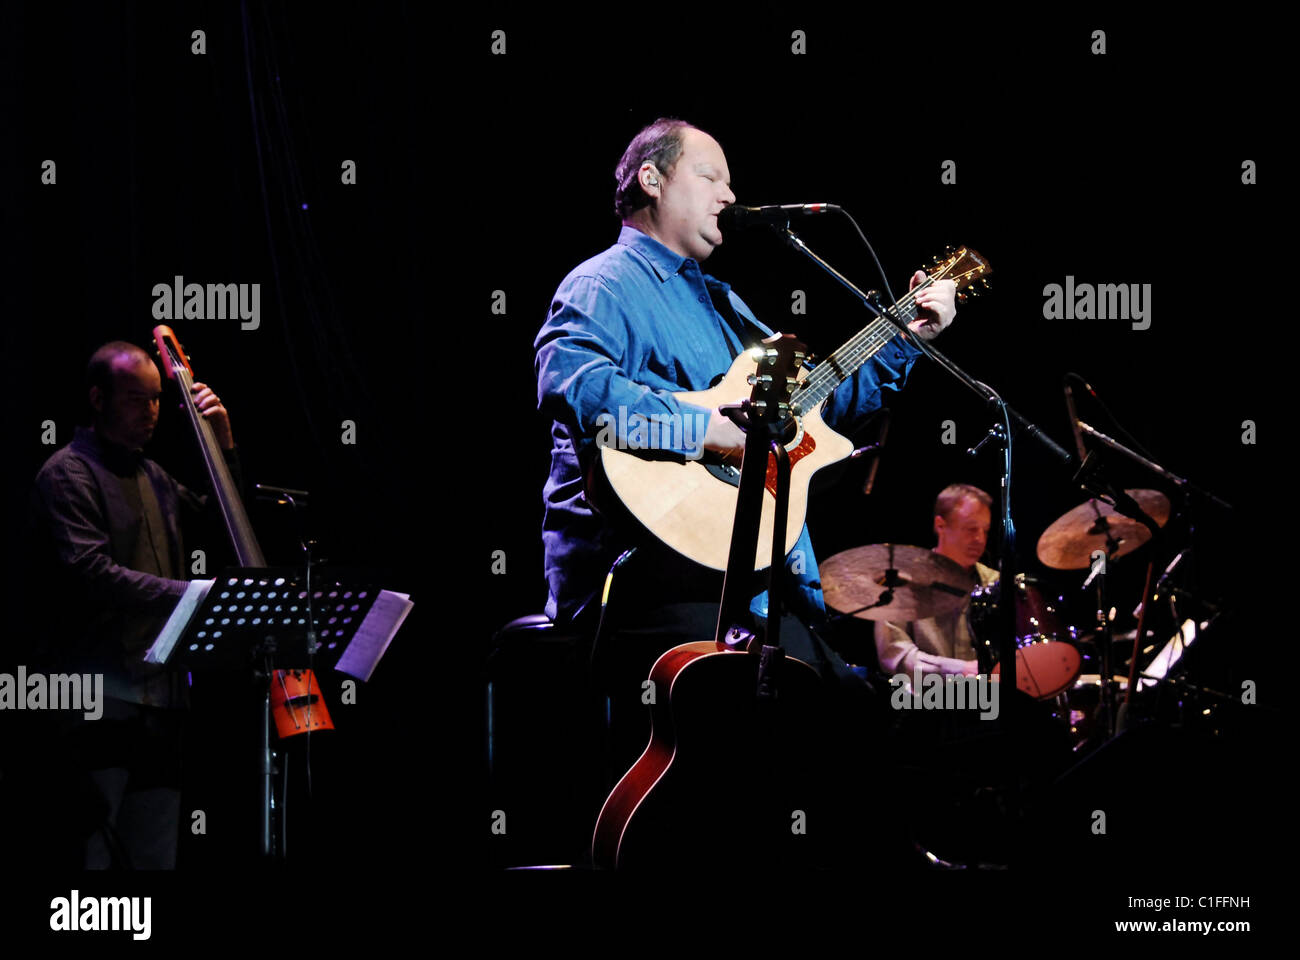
210,407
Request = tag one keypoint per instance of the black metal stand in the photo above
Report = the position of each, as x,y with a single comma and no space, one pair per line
1107,635
765,432
277,815
1089,477
262,619
772,652
1007,562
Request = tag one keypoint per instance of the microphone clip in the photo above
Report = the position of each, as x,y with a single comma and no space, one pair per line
995,433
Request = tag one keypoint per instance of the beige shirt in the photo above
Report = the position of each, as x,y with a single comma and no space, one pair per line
934,645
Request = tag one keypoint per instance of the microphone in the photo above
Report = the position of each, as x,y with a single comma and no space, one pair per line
1074,422
1169,570
739,216
875,448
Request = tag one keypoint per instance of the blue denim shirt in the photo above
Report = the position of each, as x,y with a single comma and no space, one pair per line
629,328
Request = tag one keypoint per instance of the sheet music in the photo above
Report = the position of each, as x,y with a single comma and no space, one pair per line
375,633
195,591
1169,654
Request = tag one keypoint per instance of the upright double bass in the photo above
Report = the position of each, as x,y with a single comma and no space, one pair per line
295,696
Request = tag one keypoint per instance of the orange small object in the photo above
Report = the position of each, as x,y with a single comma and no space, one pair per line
164,338
297,704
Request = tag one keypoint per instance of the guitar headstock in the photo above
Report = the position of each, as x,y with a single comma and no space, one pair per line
966,267
779,358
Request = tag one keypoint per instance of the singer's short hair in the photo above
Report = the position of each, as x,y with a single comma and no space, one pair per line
661,144
951,496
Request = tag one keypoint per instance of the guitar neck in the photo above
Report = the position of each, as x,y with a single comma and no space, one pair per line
844,362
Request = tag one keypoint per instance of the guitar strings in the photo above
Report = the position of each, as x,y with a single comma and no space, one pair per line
860,348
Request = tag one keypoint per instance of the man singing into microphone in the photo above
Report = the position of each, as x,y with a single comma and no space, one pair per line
627,329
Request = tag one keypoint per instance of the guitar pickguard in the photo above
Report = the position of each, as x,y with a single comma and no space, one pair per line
805,446
801,446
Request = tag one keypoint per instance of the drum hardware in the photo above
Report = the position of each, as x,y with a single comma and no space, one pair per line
887,581
1153,510
1071,540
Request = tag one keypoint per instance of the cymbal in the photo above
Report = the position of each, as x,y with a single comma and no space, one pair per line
931,583
1069,542
1125,637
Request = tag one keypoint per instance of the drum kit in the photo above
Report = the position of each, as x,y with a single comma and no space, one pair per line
1056,663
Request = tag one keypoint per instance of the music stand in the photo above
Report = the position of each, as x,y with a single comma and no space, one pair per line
257,618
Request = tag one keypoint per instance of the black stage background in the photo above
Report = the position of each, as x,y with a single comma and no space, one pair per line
1122,168
226,168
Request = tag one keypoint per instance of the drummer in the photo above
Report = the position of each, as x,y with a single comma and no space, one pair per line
944,644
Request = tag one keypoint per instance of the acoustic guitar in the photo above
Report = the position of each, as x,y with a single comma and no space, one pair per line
689,505
734,775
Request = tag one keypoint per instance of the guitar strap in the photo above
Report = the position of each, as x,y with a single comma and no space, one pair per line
747,333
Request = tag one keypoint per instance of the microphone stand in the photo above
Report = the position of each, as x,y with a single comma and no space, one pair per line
291,497
1087,474
1002,432
1181,482
1115,722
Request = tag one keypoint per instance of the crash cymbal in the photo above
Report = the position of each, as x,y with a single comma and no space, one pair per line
930,584
1118,637
1069,542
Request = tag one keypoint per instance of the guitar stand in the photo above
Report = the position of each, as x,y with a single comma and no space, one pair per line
767,749
763,436
771,653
